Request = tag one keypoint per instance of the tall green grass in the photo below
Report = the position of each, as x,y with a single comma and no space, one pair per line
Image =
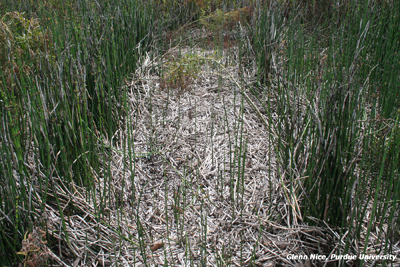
337,102
56,98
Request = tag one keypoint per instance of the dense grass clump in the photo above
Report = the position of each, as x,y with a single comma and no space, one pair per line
338,107
63,64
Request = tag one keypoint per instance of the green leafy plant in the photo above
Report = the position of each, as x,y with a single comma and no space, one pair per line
180,72
219,19
22,40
